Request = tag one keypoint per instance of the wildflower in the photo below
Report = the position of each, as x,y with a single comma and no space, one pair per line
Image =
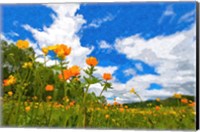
108,104
49,88
105,107
10,93
176,95
75,70
158,99
22,44
67,107
66,99
27,65
132,90
121,109
67,74
107,116
45,50
115,103
34,97
27,108
192,104
48,98
10,81
107,76
184,101
62,51
126,106
72,103
91,61
121,105
157,108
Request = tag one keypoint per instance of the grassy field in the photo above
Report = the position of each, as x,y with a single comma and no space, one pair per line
54,114
37,95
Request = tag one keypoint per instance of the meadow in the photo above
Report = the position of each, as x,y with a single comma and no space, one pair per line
37,95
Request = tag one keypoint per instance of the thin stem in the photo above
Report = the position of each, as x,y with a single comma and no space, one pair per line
84,108
138,96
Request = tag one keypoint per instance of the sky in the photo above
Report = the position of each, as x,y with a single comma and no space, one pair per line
146,46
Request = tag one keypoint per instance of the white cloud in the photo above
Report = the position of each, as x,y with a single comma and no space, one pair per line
63,30
98,22
169,12
188,17
104,45
129,72
3,37
139,66
172,56
13,34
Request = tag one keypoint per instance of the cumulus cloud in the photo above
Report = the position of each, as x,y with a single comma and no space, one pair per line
172,56
63,30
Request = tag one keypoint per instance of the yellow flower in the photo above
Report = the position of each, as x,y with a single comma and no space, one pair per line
105,107
10,93
176,95
10,81
62,51
126,106
45,50
27,65
132,90
107,116
27,108
52,47
158,99
22,44
48,98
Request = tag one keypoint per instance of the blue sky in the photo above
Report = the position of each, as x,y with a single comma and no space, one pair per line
102,26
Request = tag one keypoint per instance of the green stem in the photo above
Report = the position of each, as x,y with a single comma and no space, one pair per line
138,96
84,107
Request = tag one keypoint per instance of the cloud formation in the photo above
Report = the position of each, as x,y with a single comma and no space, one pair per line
172,56
63,30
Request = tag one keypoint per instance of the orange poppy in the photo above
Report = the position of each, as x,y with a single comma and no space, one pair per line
107,76
184,101
62,50
75,70
192,104
157,108
49,88
121,109
67,74
92,61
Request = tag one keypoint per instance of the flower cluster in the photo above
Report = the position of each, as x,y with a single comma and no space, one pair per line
27,65
70,72
10,81
57,51
22,44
